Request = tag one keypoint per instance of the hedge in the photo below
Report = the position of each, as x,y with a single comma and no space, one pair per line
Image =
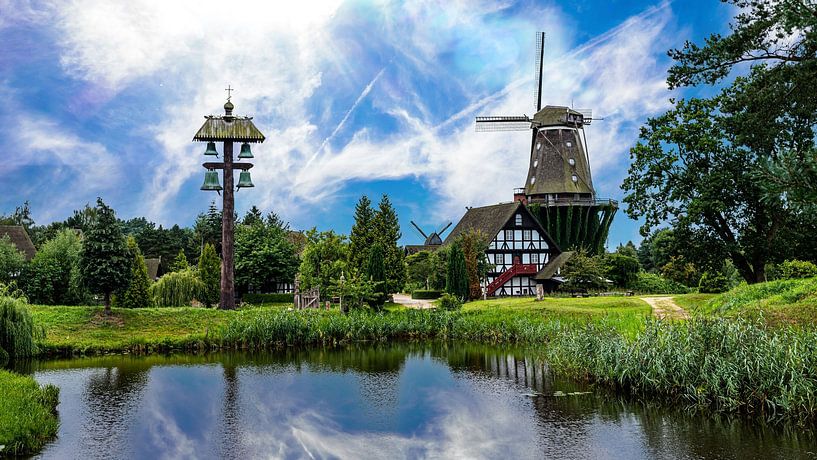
426,294
268,298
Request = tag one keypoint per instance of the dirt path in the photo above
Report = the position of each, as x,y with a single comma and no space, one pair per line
665,307
405,299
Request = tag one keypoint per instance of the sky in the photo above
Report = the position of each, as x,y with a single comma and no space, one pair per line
102,99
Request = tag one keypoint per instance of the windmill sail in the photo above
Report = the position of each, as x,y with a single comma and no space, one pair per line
539,67
502,123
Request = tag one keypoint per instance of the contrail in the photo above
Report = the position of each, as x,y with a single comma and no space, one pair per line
471,108
357,102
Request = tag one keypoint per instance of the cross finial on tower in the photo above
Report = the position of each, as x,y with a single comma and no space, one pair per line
229,91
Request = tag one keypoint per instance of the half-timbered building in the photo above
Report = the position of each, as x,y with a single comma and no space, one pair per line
520,253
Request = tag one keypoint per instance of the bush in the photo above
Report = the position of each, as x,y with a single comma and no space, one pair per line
425,294
176,289
268,298
795,269
210,275
17,332
623,270
713,283
12,260
136,295
450,302
53,275
650,283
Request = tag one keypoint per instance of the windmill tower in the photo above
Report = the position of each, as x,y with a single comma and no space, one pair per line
559,185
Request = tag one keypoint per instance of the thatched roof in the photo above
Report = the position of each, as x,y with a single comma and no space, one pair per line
553,265
153,267
489,220
19,237
228,128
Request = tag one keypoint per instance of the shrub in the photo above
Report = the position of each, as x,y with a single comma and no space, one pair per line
651,283
449,302
456,281
795,269
12,260
176,289
17,332
136,295
623,270
53,276
268,298
713,283
210,275
426,294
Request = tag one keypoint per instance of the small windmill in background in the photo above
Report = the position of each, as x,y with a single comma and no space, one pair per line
432,241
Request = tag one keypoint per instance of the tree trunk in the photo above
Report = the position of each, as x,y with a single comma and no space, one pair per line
107,303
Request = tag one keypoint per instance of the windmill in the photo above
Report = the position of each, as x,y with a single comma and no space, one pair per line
559,185
432,241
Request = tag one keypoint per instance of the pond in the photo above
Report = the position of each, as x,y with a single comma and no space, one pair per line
429,400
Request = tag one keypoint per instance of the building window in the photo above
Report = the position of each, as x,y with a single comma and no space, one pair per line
569,144
508,235
575,178
518,220
534,258
500,259
526,235
571,162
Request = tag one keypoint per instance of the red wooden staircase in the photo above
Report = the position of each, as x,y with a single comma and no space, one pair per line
516,269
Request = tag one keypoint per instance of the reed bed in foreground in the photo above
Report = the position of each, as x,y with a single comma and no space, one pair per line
728,365
27,414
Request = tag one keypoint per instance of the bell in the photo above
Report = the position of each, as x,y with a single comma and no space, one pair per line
211,149
211,182
244,179
245,151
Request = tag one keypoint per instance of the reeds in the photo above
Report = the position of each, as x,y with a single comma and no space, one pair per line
27,414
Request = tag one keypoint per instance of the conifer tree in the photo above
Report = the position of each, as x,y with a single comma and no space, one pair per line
456,280
362,236
180,262
210,275
136,295
387,232
105,262
376,272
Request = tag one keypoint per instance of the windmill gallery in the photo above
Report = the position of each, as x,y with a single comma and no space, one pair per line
530,238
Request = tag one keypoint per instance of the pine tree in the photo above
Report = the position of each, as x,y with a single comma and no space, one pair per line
376,272
456,280
105,262
210,275
136,295
180,262
387,232
362,236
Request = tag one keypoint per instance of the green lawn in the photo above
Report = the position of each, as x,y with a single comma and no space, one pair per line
783,302
693,303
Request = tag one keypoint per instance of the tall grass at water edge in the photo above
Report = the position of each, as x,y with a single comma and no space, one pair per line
729,365
27,414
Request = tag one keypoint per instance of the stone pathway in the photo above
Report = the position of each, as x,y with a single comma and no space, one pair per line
406,300
665,307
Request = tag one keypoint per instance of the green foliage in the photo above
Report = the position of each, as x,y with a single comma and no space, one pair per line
713,283
323,260
783,301
427,269
362,236
165,243
681,271
180,263
722,364
136,295
176,289
376,273
12,260
622,269
210,275
53,276
449,302
476,264
583,272
424,294
207,228
105,260
387,233
17,331
795,269
264,255
257,299
28,414
651,283
356,291
456,280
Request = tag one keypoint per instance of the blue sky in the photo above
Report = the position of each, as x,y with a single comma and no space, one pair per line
102,99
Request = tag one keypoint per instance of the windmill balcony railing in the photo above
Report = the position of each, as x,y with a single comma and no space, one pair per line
583,201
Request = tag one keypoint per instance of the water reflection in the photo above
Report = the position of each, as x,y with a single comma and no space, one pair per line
433,400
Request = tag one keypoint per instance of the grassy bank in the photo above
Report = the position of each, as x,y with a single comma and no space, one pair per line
27,414
784,302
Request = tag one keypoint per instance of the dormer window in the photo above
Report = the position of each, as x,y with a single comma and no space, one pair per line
571,162
568,144
518,220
